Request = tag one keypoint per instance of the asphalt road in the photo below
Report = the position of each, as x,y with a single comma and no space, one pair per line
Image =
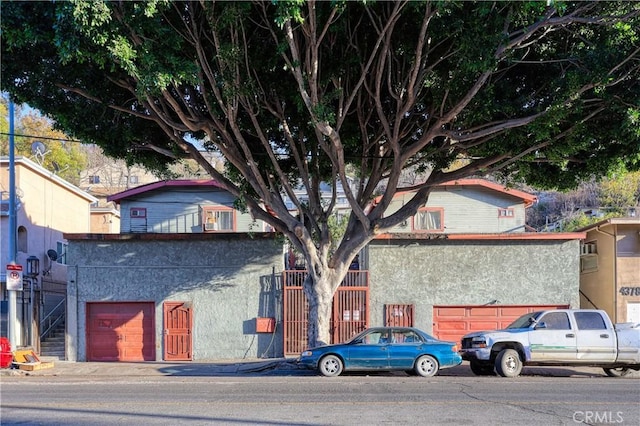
285,398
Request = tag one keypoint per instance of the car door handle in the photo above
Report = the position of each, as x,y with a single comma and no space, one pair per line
604,336
570,335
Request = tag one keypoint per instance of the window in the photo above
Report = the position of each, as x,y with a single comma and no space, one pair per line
375,338
590,321
506,213
133,179
589,248
138,212
23,243
94,179
61,248
428,219
405,336
556,321
218,219
588,257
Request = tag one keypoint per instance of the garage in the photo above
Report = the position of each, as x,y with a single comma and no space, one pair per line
453,322
122,331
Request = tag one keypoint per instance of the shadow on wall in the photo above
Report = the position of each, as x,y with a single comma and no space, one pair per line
267,326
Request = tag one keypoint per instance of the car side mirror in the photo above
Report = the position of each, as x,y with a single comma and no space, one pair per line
357,342
541,325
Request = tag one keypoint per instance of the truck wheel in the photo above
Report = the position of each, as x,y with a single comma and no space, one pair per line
508,363
480,368
617,372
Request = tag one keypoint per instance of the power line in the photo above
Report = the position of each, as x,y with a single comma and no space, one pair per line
41,137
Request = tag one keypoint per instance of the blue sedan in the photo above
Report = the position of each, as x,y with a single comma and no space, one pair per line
384,349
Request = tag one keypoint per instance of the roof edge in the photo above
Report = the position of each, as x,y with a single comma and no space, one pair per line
514,236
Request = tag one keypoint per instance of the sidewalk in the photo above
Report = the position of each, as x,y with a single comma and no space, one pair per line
253,367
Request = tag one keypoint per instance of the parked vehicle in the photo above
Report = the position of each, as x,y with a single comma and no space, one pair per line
383,349
567,337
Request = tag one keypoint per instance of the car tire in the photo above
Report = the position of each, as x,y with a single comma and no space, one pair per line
426,366
617,372
508,363
330,366
482,368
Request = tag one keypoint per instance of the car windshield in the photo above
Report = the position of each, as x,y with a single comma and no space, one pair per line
525,321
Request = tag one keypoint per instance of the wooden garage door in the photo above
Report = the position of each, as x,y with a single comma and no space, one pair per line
453,322
120,331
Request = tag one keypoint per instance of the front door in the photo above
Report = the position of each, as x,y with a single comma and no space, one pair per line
178,320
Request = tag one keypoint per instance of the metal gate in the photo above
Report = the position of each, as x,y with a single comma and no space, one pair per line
350,312
398,315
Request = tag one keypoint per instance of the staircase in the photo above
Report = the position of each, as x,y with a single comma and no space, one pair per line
53,345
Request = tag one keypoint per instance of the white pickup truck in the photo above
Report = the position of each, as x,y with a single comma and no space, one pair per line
568,337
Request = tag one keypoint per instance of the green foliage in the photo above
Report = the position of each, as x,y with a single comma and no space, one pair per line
618,194
581,220
337,227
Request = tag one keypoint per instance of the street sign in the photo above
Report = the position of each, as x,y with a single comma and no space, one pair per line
14,277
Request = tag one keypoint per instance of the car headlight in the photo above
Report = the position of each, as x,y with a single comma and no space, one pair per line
478,342
306,353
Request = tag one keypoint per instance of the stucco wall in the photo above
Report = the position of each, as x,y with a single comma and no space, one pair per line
441,272
228,281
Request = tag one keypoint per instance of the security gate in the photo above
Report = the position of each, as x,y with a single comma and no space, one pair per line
350,313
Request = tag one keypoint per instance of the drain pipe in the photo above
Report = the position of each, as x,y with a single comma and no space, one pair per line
615,271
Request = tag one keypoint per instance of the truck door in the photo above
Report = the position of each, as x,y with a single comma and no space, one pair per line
552,339
596,341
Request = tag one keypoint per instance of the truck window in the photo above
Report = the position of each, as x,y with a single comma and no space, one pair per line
590,321
524,321
556,321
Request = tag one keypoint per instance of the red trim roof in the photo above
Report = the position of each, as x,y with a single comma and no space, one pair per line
161,184
528,199
498,236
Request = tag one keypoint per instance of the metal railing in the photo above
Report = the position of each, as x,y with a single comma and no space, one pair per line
52,319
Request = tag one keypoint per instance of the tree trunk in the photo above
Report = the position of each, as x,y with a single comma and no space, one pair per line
319,290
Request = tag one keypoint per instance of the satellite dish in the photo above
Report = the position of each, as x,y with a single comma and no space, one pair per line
52,254
38,148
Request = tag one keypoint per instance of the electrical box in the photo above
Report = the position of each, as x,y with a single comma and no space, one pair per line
265,325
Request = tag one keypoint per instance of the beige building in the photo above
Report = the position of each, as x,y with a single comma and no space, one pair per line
610,268
47,206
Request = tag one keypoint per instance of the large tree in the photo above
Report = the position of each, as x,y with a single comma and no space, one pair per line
302,91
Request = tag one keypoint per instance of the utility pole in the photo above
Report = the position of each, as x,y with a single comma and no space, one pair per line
12,311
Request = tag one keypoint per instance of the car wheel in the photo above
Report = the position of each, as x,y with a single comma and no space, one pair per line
330,366
426,366
480,368
508,363
617,372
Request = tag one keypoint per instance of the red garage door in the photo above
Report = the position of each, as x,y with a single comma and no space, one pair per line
453,322
120,331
